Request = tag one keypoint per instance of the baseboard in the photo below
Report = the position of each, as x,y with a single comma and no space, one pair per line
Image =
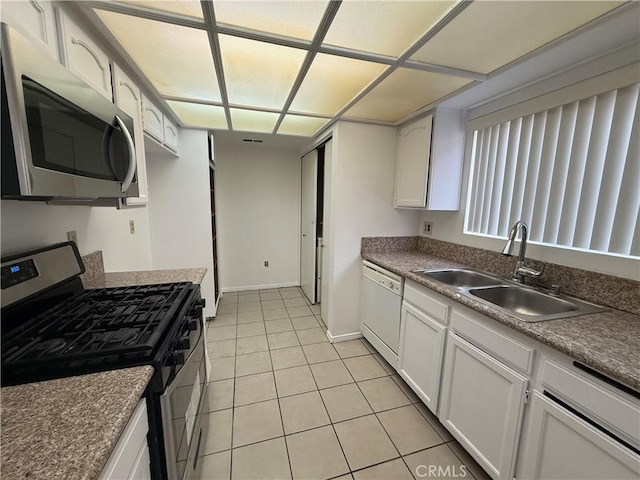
260,287
344,337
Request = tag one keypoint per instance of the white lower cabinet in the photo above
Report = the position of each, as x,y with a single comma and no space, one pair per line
420,356
560,444
130,457
482,404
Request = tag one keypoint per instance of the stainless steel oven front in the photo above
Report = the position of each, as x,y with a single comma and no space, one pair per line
68,140
181,407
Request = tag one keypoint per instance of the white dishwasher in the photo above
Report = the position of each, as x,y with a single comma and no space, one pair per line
381,303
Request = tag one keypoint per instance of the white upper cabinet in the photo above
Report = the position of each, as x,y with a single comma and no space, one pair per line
35,19
83,56
412,170
128,97
160,128
153,119
170,135
429,162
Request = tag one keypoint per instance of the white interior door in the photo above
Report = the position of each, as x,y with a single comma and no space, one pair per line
309,212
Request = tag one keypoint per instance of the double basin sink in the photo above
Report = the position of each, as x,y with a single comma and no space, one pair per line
524,302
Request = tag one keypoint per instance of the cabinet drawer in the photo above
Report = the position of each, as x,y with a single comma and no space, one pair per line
426,302
501,346
614,411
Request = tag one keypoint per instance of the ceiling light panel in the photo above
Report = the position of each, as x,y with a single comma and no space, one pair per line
258,74
332,82
291,19
253,121
516,28
177,60
198,115
189,8
402,93
384,27
301,126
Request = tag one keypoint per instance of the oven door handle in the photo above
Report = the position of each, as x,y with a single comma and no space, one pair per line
132,155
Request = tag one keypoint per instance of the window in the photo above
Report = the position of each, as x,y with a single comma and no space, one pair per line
571,172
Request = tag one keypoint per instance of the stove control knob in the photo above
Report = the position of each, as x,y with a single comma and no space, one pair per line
183,343
202,302
178,358
192,325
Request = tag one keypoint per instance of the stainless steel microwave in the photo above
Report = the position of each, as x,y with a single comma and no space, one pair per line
60,138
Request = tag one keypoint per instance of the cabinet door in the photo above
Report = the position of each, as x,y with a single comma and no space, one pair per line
170,135
420,358
153,119
84,57
482,403
35,19
129,98
412,169
561,445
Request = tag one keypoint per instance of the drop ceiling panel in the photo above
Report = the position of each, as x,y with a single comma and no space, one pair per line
384,27
177,60
197,115
253,121
259,74
190,8
332,82
297,20
403,92
488,35
299,125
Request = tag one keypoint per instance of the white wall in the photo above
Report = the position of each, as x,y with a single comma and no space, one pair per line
258,193
363,183
27,225
180,210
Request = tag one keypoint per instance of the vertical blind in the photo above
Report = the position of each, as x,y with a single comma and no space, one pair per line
571,172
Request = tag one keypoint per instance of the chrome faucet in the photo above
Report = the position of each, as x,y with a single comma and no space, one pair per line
521,270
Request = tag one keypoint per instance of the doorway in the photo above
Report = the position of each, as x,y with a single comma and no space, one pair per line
311,223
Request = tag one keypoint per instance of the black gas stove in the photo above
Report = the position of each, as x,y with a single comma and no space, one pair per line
52,327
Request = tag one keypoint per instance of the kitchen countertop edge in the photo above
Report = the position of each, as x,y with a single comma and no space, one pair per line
597,340
67,427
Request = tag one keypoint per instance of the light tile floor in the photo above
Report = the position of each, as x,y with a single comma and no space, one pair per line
285,403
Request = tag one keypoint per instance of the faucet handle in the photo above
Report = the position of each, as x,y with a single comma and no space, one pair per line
530,272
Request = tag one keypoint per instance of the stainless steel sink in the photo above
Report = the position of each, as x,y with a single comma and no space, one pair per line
461,278
522,301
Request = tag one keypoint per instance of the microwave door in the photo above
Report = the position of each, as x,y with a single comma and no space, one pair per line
118,151
86,155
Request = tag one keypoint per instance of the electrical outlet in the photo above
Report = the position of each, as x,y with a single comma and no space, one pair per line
266,263
72,236
132,227
427,228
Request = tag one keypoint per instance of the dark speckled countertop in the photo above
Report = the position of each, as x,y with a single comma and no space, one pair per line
67,428
607,341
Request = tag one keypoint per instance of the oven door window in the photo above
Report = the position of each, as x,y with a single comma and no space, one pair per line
65,138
